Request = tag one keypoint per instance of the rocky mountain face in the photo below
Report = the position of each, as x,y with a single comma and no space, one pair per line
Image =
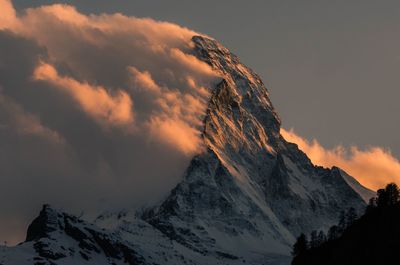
242,201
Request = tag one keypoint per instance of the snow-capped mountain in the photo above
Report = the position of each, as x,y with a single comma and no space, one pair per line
243,200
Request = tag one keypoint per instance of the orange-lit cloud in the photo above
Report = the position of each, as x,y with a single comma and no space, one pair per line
178,122
177,115
175,133
95,100
191,62
8,15
373,167
124,58
143,80
99,98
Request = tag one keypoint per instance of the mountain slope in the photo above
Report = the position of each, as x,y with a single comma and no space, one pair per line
250,187
242,200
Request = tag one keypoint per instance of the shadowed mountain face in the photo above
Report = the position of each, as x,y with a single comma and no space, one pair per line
242,200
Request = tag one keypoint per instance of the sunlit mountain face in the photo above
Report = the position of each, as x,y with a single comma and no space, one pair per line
153,143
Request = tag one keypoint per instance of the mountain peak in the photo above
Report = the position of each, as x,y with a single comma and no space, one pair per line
243,200
239,95
45,223
250,182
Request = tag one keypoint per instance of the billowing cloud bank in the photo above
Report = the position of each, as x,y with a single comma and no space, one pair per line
93,109
373,167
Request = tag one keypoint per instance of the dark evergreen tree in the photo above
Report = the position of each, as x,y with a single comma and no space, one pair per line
321,238
382,200
342,221
389,196
393,194
371,205
351,216
300,246
333,233
314,239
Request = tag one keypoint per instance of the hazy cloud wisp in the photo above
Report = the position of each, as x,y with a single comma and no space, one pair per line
373,167
105,107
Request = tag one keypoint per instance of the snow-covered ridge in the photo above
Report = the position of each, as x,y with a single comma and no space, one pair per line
242,201
365,193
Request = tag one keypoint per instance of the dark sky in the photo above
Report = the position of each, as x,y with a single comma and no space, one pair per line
333,66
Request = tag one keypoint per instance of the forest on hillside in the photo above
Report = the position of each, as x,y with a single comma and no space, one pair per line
371,238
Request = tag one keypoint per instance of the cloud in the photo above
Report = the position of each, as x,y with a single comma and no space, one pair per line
191,62
168,129
373,167
31,157
8,15
95,100
143,81
15,119
106,107
141,50
176,115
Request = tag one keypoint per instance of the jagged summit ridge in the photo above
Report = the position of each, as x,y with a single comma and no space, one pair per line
249,92
241,201
268,187
44,224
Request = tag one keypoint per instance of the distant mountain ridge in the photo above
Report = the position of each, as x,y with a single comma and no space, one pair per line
241,201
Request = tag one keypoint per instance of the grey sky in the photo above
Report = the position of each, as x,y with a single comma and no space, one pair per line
333,66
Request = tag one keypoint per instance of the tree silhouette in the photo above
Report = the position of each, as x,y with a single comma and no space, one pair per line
314,239
351,216
372,238
389,196
382,200
300,246
371,205
321,237
334,232
342,221
393,193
